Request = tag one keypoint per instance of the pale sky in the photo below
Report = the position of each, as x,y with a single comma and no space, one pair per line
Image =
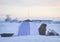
30,8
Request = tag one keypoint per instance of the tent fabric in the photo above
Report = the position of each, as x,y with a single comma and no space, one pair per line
24,29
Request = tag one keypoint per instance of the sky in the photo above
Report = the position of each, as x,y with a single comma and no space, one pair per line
30,8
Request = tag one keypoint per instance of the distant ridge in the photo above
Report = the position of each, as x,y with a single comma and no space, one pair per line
2,17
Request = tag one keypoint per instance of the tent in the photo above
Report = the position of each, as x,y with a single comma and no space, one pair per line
24,29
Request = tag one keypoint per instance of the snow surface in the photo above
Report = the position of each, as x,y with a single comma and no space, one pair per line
34,27
37,38
7,27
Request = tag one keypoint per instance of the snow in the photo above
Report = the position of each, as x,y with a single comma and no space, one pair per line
7,27
34,27
37,38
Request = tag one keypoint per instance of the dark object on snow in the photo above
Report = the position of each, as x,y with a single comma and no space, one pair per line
52,33
6,34
42,29
8,19
28,20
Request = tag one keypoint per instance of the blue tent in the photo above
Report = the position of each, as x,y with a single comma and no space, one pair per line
24,29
